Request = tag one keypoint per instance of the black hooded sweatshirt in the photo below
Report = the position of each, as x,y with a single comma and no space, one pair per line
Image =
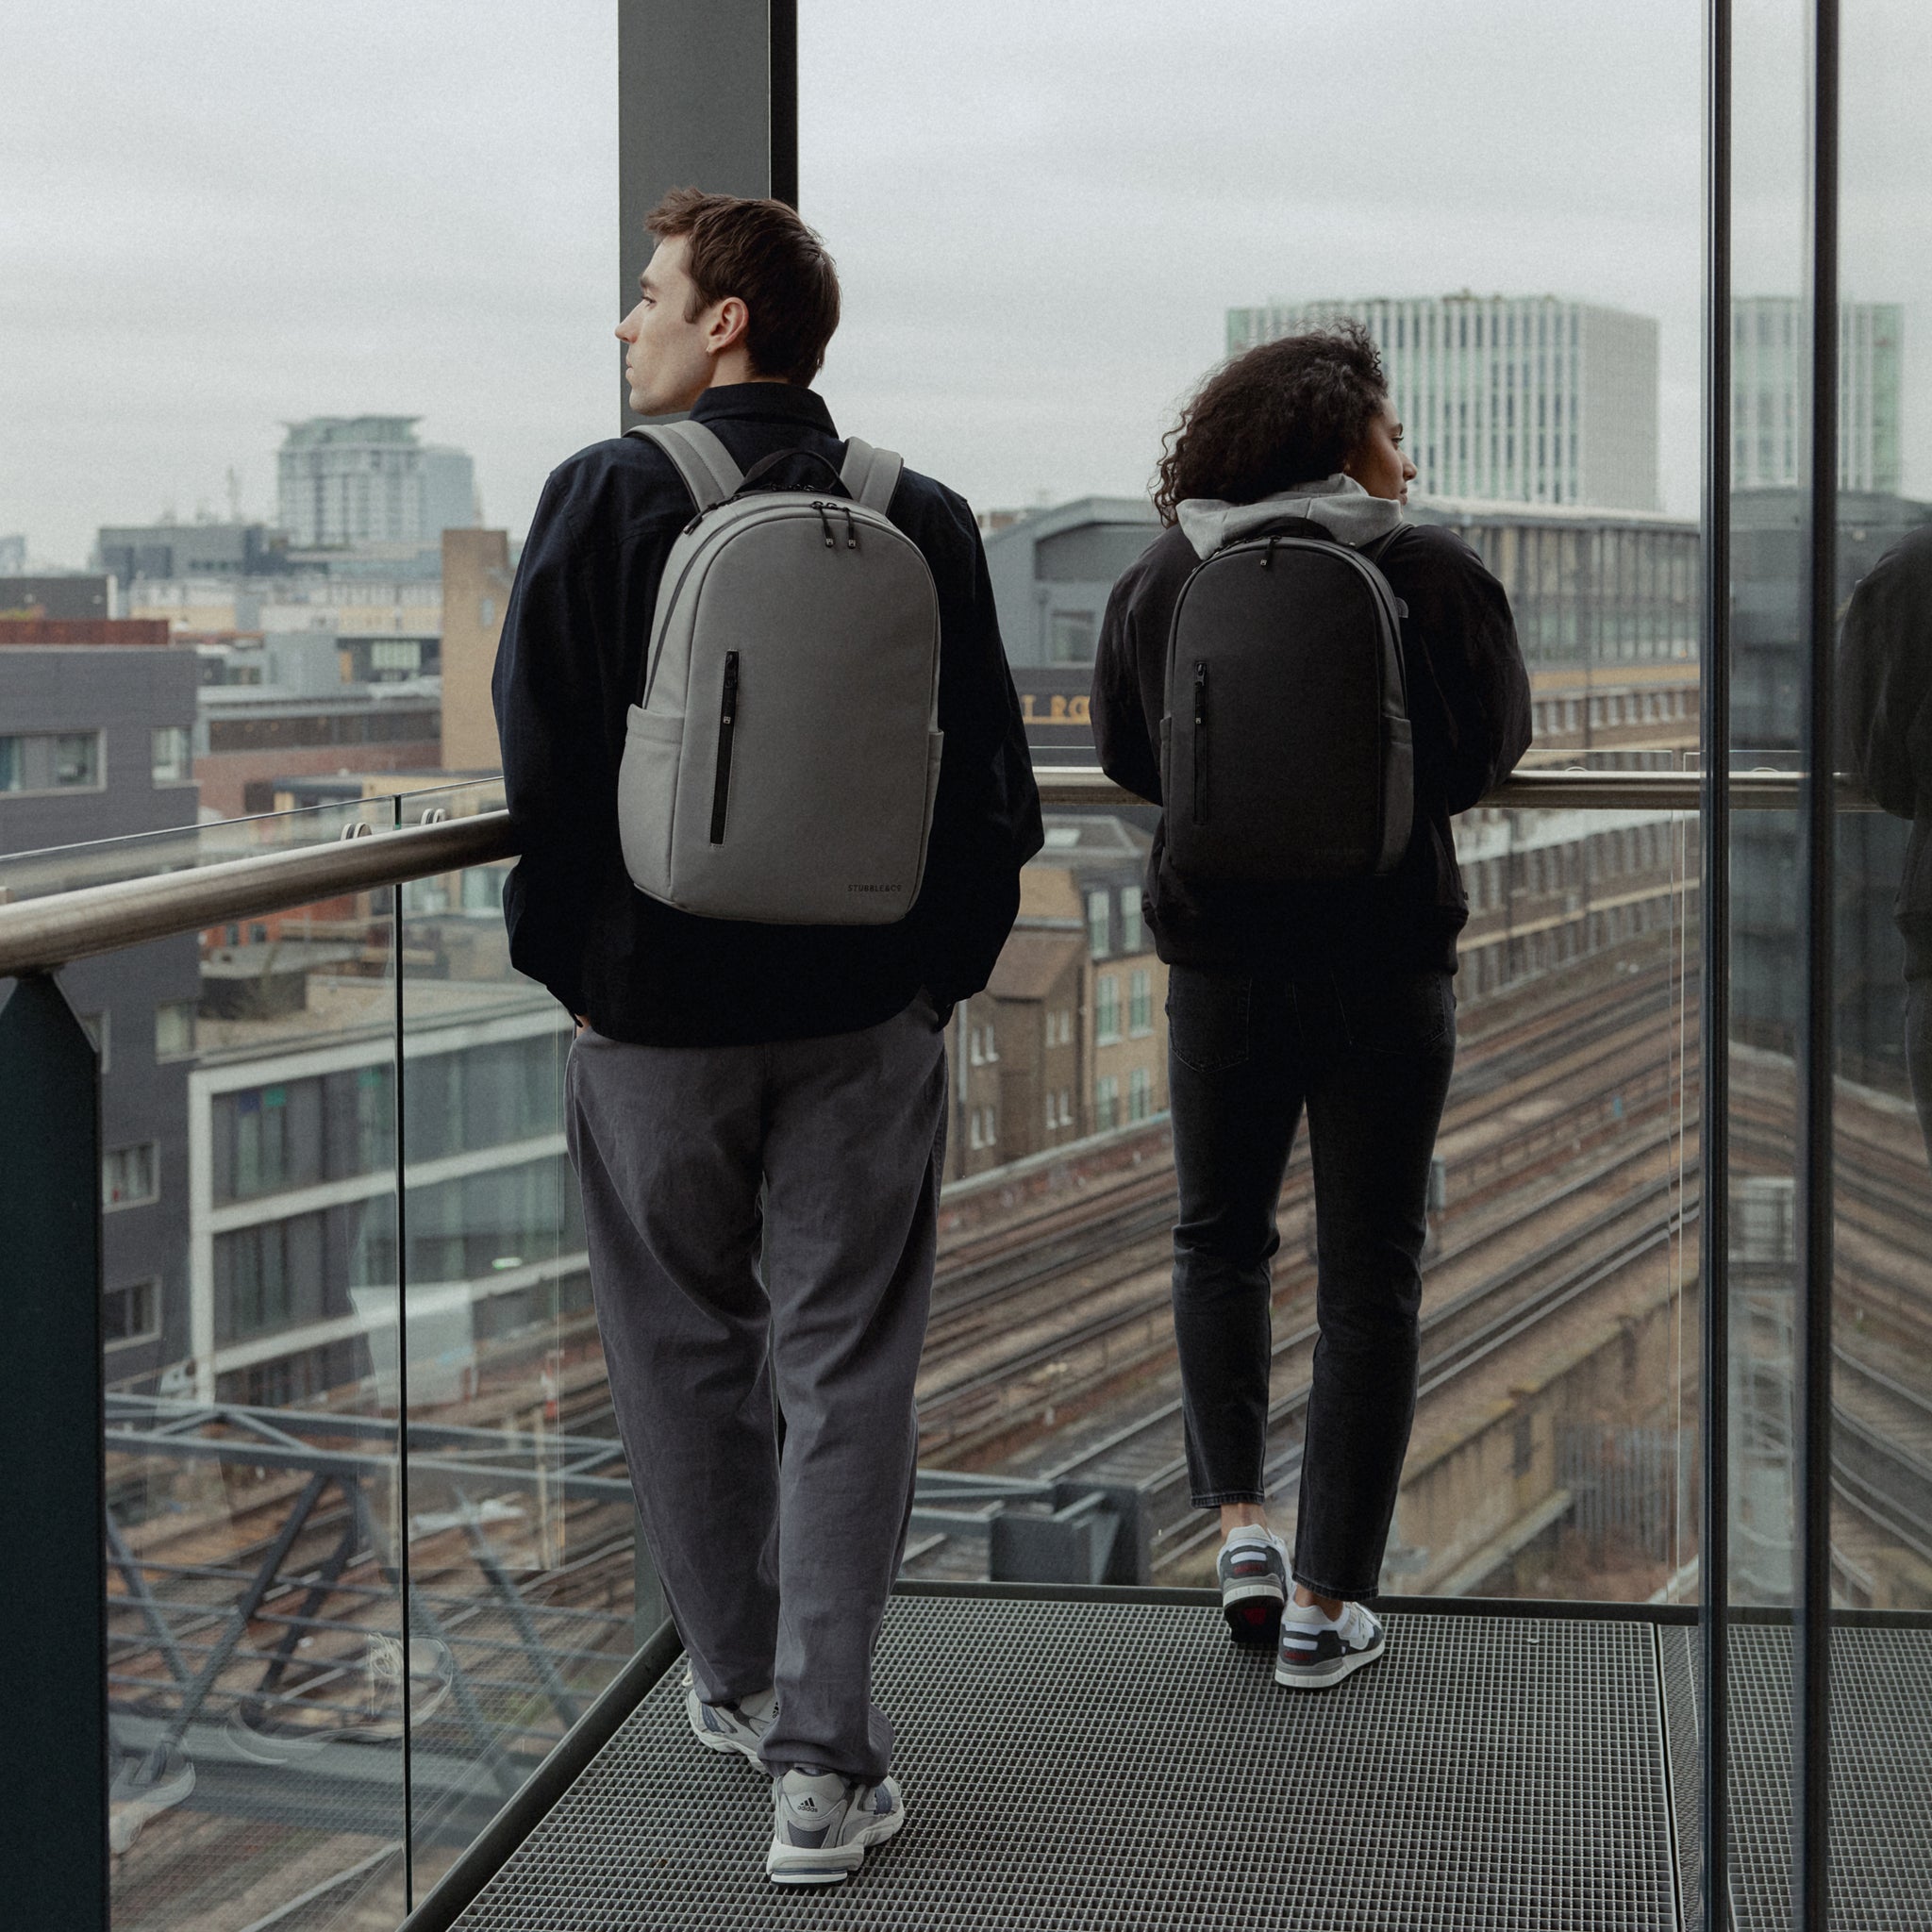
1469,708
568,669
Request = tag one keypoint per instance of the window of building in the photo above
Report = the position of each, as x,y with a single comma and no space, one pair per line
131,1313
1131,939
1051,1123
1106,1009
130,1175
483,889
1107,1103
262,1141
51,762
268,1276
972,1139
1066,1106
1069,638
174,1029
1140,1094
1099,924
1141,1002
174,755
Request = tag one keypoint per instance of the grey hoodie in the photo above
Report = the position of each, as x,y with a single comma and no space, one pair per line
1338,503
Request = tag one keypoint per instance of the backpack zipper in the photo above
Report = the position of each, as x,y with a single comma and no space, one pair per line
728,719
1200,741
655,640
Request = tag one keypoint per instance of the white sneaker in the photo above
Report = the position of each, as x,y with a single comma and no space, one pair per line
1317,1651
1251,1571
739,1728
822,1823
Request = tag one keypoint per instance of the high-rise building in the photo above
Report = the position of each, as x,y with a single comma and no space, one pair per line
352,482
1512,399
1770,368
12,556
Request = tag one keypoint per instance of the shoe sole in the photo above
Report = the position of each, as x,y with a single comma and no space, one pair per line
1254,1612
794,1866
1325,1677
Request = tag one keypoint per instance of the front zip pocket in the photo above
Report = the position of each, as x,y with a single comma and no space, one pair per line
1200,743
728,719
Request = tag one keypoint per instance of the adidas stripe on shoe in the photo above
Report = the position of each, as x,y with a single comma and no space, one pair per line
1253,1574
1315,1653
821,1825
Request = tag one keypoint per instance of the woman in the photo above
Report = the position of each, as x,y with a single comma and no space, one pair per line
1335,997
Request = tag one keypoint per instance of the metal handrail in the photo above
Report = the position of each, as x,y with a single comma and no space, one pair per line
39,934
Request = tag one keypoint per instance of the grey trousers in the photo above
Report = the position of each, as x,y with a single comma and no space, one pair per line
715,1303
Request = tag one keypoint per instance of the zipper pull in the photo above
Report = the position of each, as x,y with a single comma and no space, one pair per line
1200,694
730,687
850,529
826,525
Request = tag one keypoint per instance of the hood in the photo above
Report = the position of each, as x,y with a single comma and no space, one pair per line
1338,503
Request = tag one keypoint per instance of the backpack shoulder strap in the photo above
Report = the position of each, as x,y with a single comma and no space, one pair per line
870,475
701,459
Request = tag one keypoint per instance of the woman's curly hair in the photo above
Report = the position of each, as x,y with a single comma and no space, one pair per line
1288,412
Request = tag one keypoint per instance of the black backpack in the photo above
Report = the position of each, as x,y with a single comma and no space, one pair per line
1284,751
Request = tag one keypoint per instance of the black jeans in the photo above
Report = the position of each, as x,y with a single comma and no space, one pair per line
1370,1058
1919,1052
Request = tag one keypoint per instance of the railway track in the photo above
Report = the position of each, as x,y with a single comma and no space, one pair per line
981,1379
1456,1336
1881,1450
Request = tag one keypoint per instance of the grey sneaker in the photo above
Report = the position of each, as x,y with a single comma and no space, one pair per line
739,1728
1316,1653
822,1823
1253,1569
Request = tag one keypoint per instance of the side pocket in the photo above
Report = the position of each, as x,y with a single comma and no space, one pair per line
935,752
1398,793
647,796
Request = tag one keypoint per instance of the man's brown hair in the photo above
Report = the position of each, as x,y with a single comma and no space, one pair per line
760,252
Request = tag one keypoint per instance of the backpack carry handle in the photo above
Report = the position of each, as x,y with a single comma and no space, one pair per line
765,464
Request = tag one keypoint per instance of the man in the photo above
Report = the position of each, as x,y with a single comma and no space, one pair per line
756,1112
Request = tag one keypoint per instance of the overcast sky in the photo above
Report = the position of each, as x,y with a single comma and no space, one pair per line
217,217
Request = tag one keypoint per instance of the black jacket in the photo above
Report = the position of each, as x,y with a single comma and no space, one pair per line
570,665
1885,717
1469,708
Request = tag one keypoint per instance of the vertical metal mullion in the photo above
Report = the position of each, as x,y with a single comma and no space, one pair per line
1714,1564
54,1861
784,71
1811,1633
398,1108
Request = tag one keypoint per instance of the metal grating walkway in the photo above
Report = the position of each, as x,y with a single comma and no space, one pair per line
1881,1777
1074,1764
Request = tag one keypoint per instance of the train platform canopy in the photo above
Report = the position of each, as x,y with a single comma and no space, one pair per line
1088,1758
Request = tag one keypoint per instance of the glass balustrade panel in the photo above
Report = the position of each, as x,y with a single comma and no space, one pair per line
521,1525
1043,255
258,1678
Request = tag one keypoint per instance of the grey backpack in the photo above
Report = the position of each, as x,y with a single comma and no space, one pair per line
784,751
